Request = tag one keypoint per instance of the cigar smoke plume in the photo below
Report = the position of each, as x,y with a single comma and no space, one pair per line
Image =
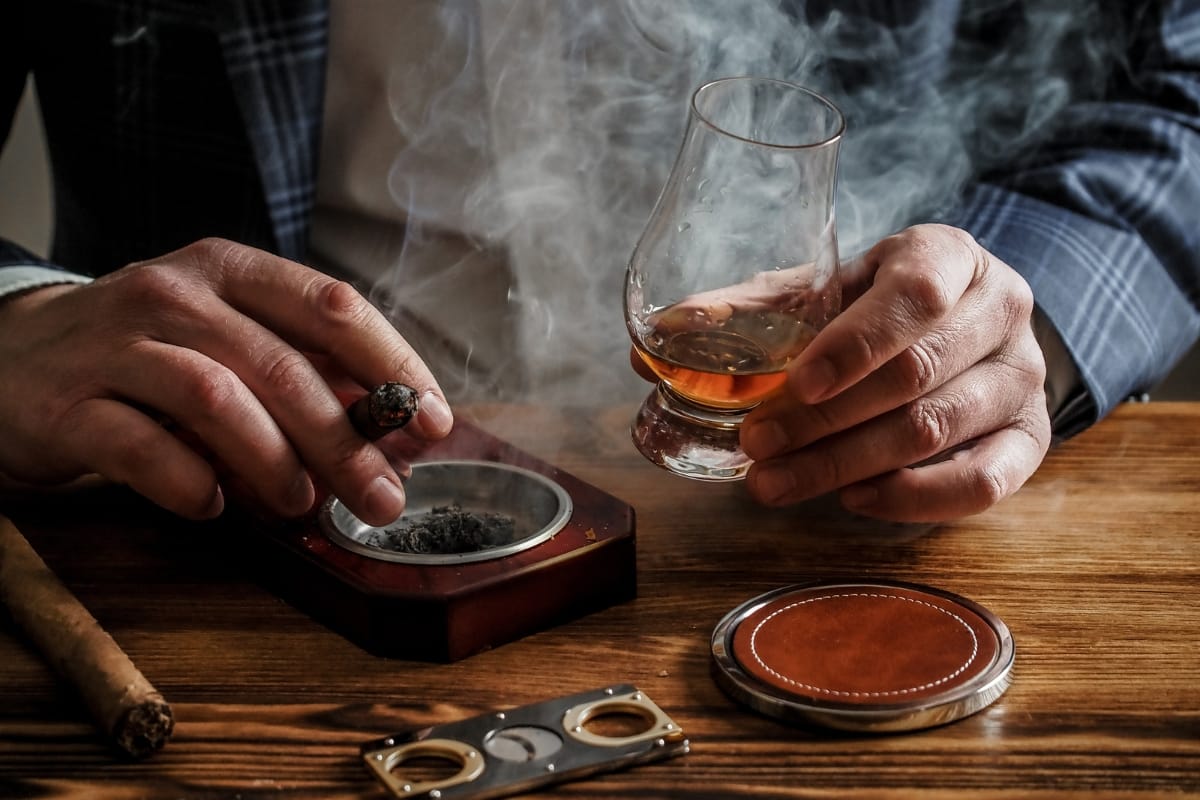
550,126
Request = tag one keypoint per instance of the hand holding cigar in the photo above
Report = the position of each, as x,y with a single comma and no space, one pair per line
126,707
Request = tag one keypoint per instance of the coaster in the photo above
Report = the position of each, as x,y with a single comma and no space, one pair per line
876,656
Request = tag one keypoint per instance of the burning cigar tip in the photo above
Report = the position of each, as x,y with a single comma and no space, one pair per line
393,404
385,408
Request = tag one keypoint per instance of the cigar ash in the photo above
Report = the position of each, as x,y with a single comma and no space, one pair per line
445,529
457,512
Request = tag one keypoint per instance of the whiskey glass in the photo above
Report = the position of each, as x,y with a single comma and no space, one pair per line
736,270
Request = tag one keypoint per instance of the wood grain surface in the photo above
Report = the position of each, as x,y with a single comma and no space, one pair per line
1094,565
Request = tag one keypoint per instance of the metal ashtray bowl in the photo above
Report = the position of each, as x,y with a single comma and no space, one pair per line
520,508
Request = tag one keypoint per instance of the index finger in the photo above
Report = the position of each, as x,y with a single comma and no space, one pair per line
920,275
320,314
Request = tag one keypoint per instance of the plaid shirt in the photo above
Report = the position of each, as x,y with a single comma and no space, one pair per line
1105,223
169,120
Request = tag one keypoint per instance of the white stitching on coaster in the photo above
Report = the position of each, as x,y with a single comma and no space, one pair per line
922,687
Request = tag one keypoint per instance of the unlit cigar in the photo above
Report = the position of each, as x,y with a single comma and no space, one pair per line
127,708
387,407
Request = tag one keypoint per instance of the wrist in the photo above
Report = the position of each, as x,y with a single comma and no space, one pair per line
20,279
16,303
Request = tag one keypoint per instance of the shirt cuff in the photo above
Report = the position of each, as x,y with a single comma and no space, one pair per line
29,276
1067,398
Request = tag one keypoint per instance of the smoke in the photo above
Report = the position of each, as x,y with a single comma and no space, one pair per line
540,132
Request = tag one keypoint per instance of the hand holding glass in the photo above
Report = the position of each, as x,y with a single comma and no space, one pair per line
737,269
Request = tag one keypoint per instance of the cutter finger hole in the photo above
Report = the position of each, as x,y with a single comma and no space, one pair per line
434,764
617,721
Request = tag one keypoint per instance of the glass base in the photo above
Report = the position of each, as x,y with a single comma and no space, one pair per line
690,440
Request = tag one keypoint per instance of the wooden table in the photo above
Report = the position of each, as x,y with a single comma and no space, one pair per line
1094,565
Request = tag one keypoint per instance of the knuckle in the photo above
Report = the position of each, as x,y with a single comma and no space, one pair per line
929,421
861,348
226,254
958,236
226,261
339,303
1034,422
287,371
927,294
1022,294
992,484
1017,301
1033,367
159,286
937,248
918,368
213,247
1024,363
956,242
211,392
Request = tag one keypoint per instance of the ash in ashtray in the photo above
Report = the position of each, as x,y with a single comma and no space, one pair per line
444,530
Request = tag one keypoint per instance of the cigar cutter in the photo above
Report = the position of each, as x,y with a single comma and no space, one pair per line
874,656
521,749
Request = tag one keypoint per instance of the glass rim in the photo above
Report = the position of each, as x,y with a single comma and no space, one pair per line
820,98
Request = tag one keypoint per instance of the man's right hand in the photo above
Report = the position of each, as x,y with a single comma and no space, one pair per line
174,374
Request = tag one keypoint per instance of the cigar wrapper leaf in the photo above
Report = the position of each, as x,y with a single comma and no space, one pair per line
126,707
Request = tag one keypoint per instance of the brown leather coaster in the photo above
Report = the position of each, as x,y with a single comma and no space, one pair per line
873,656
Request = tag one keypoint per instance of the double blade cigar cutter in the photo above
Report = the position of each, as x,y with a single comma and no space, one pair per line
521,749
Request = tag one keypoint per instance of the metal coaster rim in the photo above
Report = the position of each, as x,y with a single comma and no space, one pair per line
952,705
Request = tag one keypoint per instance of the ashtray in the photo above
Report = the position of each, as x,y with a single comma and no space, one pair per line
873,656
565,549
458,512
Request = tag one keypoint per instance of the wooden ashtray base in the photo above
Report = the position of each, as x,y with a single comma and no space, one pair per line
446,612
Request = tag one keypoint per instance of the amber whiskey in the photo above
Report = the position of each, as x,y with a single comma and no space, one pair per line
733,364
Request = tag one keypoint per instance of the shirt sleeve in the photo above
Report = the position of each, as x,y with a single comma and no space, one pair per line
22,277
1104,223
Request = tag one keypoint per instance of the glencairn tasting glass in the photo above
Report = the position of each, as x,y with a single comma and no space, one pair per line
737,269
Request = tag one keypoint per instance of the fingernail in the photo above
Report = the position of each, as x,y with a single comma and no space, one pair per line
765,439
859,496
774,484
215,506
300,494
813,381
384,501
434,415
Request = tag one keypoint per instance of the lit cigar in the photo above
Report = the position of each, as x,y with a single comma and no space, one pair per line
126,707
385,408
